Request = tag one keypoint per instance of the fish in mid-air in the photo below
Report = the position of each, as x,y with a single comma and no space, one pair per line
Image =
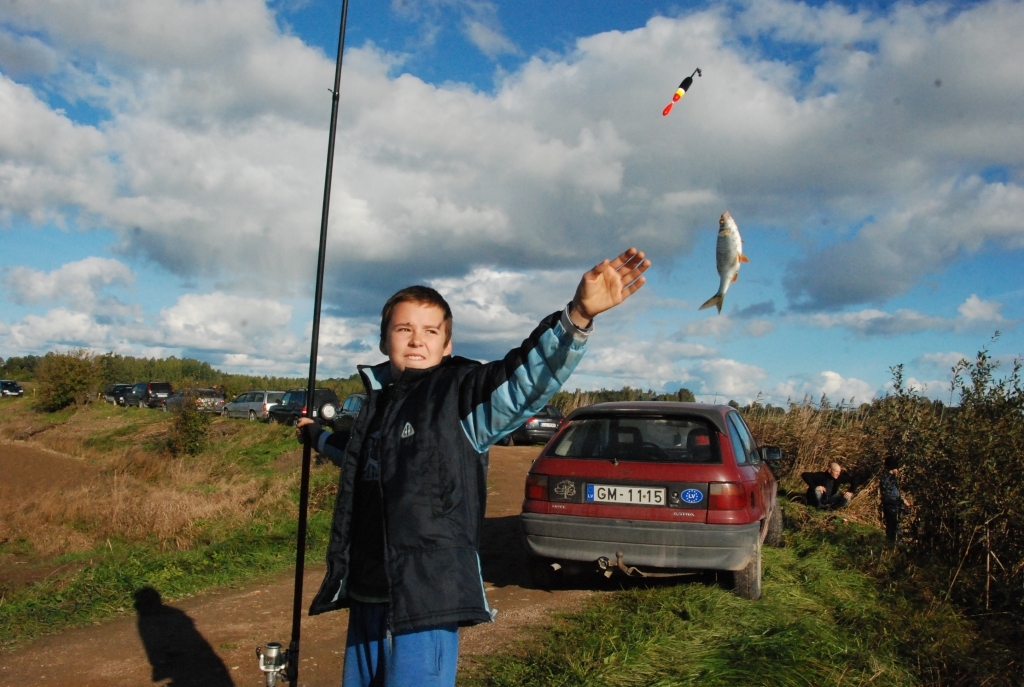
728,256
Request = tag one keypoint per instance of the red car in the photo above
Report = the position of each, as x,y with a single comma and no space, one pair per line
652,487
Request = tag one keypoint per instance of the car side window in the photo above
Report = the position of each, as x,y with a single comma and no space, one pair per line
357,403
747,437
738,447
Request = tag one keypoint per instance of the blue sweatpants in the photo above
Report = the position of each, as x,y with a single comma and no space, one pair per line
425,658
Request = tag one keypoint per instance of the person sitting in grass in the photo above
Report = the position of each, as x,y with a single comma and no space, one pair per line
404,548
823,488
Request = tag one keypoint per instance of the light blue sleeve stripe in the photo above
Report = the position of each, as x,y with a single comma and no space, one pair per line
332,453
547,367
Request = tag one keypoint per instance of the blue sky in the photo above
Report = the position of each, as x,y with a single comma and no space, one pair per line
161,166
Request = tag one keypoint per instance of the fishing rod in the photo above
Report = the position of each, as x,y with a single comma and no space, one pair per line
273,662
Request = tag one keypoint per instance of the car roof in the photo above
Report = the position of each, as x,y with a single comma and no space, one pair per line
708,411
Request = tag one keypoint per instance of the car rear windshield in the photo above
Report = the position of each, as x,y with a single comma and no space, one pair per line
652,439
160,388
549,411
274,397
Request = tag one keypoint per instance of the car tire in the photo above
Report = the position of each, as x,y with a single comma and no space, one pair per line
223,412
505,441
141,405
295,421
252,416
774,534
746,583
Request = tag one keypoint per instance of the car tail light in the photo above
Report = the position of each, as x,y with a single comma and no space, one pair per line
264,408
303,410
537,487
726,496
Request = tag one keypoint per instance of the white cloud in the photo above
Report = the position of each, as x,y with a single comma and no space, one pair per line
728,379
59,327
77,283
838,389
222,322
210,160
975,311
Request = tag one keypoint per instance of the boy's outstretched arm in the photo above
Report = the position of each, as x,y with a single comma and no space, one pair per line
498,397
607,285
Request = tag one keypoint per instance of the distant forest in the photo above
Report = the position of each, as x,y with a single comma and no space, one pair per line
113,368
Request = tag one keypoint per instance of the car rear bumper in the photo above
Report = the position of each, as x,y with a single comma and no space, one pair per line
680,545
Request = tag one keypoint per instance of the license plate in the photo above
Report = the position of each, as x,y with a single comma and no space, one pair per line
548,424
607,493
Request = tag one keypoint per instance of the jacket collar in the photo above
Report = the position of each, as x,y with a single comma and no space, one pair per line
376,377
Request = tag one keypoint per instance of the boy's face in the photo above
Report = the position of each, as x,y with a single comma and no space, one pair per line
416,337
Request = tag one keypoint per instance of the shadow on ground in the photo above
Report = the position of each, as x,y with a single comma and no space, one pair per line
175,648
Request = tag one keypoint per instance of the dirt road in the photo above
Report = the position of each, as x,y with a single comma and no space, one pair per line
209,640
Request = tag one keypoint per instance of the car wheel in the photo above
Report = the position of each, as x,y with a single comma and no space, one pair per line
252,416
505,441
746,583
295,421
774,535
223,412
141,405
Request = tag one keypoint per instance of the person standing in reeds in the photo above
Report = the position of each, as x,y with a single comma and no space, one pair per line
823,488
892,499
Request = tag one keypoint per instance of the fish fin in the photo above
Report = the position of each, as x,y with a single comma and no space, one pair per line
735,277
714,300
743,258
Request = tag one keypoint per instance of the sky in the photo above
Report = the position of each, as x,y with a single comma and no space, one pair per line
162,166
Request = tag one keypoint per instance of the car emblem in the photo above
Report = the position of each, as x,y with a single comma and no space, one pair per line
566,489
407,431
691,496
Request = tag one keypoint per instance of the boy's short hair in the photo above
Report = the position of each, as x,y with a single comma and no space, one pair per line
415,294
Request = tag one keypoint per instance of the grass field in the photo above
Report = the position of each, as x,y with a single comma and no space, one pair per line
135,516
823,619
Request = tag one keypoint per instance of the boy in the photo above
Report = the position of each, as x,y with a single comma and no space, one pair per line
403,555
892,499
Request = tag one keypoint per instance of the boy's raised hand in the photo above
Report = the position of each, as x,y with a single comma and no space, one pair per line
607,285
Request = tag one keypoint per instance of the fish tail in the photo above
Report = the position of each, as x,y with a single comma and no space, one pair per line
716,300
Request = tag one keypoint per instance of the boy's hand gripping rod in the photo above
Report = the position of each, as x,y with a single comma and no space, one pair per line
273,661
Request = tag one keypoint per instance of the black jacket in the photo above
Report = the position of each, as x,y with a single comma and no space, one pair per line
822,479
435,434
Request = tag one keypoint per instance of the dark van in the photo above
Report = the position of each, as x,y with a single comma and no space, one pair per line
148,394
293,405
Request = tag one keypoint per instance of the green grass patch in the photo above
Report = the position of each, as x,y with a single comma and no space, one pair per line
821,621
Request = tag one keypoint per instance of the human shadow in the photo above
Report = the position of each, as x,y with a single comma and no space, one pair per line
503,559
174,647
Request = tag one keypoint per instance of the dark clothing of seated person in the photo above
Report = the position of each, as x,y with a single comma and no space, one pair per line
823,488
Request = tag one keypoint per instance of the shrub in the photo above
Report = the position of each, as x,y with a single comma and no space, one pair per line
66,378
188,431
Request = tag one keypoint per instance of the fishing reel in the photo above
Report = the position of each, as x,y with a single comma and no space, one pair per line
274,660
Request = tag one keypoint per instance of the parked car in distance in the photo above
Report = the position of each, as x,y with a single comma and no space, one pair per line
660,487
115,393
537,430
293,405
207,400
254,405
148,394
9,387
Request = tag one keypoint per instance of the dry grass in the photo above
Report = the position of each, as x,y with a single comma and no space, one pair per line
133,490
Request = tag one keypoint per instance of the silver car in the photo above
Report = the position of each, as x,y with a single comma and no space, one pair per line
254,405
